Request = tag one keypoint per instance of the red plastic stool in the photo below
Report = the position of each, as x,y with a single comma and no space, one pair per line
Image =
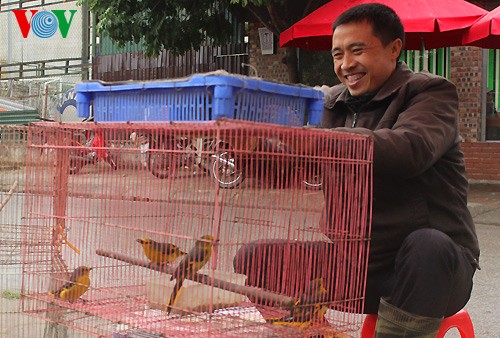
460,320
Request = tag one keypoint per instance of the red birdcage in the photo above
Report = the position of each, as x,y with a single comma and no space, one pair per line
287,209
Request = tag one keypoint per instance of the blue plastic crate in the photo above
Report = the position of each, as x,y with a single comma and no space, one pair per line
201,97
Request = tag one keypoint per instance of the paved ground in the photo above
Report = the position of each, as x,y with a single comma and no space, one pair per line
484,306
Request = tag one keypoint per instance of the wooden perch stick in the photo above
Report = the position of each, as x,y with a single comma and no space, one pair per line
261,295
9,195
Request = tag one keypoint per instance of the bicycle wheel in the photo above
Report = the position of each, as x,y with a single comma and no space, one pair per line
312,178
161,162
226,170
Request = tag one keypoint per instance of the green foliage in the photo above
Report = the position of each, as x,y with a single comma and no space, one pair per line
176,25
9,294
182,25
258,3
316,68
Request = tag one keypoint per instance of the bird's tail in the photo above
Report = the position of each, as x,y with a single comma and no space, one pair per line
175,293
273,320
55,293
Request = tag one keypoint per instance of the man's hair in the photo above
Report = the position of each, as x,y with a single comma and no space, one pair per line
385,22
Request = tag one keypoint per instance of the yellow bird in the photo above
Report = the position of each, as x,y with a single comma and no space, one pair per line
310,308
77,285
160,253
190,265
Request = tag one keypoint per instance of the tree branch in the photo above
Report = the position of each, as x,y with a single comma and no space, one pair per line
280,24
261,17
308,8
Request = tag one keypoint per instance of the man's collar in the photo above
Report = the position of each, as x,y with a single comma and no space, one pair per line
398,78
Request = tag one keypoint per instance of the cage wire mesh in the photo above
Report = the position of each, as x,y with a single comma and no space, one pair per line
12,163
105,190
12,182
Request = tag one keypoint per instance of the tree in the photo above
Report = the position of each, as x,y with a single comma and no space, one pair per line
278,15
180,25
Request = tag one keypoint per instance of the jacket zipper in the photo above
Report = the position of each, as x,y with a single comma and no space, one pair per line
354,120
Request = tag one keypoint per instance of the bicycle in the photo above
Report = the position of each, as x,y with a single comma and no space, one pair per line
229,170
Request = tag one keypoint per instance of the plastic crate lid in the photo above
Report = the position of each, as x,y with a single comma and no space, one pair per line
217,78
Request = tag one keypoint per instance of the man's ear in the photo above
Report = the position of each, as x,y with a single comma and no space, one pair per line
396,47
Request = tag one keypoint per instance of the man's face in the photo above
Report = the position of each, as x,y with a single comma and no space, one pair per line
360,60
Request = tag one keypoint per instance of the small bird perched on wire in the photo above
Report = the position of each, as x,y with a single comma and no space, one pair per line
160,253
310,308
77,285
190,265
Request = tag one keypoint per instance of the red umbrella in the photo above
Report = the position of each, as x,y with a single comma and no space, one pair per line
429,23
485,32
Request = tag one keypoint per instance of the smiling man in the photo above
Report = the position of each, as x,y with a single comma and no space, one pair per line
424,249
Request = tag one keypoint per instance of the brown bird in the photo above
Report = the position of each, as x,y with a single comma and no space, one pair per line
190,265
312,303
310,308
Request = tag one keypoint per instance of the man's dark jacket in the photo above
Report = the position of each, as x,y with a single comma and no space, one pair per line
419,170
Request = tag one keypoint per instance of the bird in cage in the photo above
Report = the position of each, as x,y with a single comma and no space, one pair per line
77,285
160,253
197,257
310,308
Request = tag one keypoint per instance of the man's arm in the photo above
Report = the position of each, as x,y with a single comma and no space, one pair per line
422,134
